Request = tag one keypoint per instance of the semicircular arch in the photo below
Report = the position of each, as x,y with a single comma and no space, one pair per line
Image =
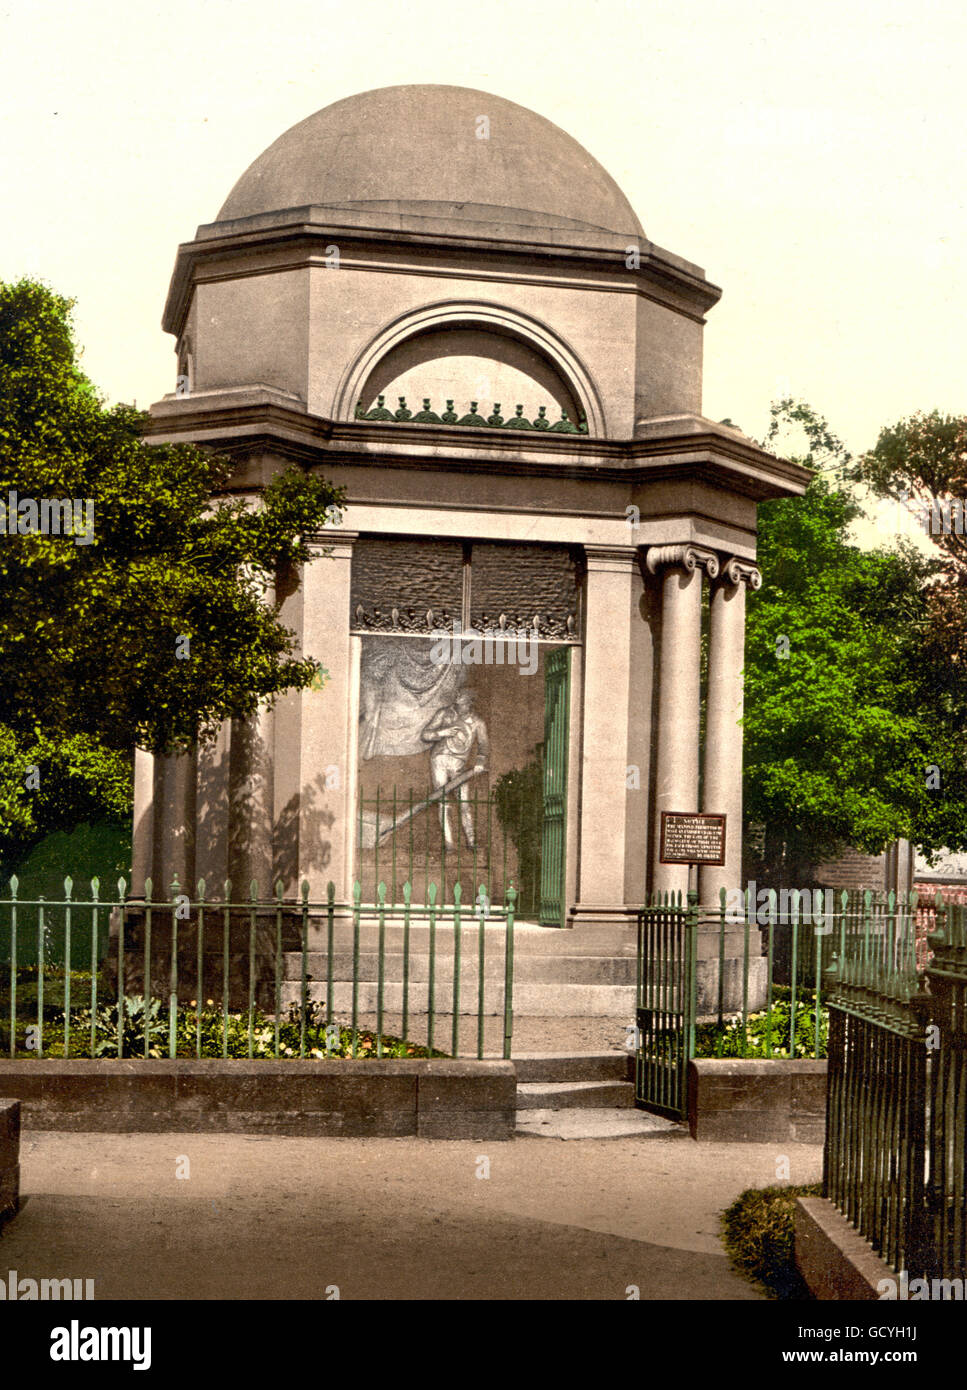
486,319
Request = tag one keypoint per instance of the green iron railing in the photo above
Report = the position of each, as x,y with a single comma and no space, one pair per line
243,972
896,1137
946,1119
400,838
874,1158
769,999
751,983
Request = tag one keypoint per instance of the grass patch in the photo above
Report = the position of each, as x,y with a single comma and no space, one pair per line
757,1231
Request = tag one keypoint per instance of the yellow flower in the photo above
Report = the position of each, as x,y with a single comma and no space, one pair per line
209,1001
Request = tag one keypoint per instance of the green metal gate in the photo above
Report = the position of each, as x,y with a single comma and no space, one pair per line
665,1017
557,685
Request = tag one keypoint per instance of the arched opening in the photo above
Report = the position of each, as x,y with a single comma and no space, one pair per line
465,363
468,351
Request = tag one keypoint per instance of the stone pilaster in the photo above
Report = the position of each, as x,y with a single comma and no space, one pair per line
614,736
328,721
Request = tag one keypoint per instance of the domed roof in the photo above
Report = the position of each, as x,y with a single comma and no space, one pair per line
416,149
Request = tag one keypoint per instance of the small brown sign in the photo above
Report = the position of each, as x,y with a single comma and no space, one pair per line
689,837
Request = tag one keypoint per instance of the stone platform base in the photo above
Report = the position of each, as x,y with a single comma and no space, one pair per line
831,1255
9,1159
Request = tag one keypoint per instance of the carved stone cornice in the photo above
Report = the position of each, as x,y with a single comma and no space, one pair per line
687,557
427,623
334,544
736,571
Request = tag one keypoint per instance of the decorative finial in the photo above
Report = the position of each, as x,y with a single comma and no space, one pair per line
517,422
473,418
426,416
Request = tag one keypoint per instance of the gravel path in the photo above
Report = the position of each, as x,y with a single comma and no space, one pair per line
263,1218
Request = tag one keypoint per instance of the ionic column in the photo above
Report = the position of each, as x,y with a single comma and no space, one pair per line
174,823
722,780
212,826
142,846
679,691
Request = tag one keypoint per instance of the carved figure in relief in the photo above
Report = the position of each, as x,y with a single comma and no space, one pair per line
452,732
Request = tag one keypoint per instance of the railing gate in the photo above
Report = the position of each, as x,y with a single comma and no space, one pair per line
665,1037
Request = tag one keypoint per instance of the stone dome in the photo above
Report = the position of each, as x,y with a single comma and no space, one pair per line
415,150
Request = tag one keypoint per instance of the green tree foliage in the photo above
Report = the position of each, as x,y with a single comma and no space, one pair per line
156,630
844,717
922,463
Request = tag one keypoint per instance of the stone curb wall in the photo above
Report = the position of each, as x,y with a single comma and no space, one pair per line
432,1099
739,1100
833,1258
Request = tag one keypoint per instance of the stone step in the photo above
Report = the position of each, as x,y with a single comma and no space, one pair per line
581,1095
529,939
576,970
539,1000
596,1124
575,1066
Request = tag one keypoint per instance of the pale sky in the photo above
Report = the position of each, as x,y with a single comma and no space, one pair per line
808,157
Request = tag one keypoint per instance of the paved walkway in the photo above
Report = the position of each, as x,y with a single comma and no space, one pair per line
263,1218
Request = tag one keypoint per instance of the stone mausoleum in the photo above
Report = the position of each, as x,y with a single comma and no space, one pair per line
442,302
